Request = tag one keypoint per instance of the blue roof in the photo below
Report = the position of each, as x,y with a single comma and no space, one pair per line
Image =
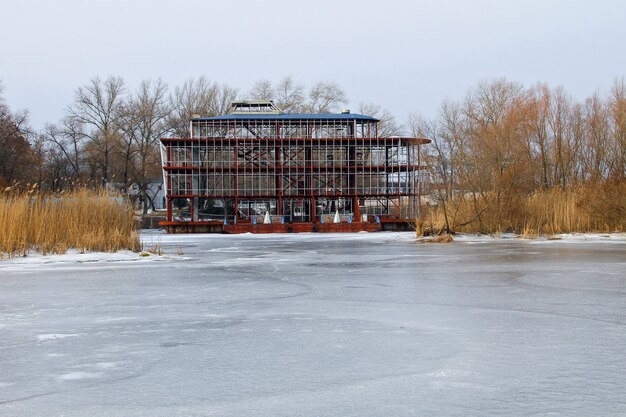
293,116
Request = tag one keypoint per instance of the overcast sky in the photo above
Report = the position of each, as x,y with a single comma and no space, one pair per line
407,56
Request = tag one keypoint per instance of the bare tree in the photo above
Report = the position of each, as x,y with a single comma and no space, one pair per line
504,142
58,173
540,106
225,97
578,135
617,108
596,159
289,95
325,97
96,110
16,153
192,98
197,97
565,148
143,122
490,149
262,90
387,126
440,183
68,139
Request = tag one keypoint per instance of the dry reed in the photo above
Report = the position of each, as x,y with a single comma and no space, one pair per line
591,208
84,220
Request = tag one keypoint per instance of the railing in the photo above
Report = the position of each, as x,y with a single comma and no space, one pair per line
336,218
261,219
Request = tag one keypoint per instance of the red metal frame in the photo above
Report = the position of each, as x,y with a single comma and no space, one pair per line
296,175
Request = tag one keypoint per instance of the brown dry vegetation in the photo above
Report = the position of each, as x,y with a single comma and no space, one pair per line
527,160
84,220
591,208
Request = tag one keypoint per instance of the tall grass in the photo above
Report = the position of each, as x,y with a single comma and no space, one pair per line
557,211
84,220
590,208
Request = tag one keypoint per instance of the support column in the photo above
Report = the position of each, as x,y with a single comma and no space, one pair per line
235,169
195,180
278,169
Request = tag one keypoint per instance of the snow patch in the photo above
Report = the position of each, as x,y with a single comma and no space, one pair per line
56,355
77,376
113,319
74,258
98,365
54,336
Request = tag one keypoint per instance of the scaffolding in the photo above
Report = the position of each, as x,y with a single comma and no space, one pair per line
257,165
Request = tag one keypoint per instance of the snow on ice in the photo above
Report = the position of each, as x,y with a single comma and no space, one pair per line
318,325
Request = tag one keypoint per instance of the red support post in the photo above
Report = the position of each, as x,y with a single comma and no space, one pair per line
278,169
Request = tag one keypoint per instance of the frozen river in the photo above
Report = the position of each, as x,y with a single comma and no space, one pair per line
318,325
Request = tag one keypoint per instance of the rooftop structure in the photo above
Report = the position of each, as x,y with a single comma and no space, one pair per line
260,170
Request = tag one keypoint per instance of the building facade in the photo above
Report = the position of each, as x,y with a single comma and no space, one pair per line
260,170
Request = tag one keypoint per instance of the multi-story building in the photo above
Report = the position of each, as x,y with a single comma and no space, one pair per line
260,170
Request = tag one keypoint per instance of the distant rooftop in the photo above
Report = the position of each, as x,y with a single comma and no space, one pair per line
292,116
254,106
267,110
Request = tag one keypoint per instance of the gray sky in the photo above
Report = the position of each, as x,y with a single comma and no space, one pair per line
407,56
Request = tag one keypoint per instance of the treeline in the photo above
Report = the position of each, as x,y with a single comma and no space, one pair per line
534,160
109,136
504,158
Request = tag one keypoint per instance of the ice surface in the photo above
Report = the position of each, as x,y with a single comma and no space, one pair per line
318,325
